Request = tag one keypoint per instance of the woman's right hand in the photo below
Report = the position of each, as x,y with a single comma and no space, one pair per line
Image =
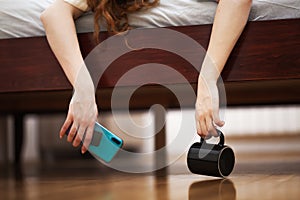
58,21
82,116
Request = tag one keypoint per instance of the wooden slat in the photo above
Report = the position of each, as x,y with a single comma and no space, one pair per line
238,93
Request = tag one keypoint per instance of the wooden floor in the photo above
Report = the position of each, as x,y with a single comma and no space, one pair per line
261,178
270,171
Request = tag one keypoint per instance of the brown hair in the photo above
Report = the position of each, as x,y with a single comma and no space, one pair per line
115,13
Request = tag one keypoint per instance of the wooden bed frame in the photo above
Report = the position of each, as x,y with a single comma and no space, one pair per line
264,68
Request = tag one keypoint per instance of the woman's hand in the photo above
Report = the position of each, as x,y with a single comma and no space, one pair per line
207,108
82,113
230,19
58,21
82,116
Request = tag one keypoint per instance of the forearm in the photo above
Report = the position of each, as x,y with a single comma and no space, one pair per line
58,21
230,19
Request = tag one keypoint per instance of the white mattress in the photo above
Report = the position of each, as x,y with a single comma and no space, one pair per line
20,18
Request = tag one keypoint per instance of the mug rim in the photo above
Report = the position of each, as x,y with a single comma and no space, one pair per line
225,147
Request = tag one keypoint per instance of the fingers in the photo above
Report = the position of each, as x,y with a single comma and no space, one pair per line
199,118
79,136
66,125
198,127
210,127
207,119
88,138
81,118
205,126
216,118
72,132
83,133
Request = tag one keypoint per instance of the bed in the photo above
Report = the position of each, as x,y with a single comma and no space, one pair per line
264,67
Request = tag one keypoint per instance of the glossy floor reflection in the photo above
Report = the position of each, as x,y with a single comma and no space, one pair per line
212,189
275,179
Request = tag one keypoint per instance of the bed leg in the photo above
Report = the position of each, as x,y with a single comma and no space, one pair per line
3,139
18,137
160,139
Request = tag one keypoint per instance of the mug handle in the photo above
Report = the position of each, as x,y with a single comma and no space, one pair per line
221,136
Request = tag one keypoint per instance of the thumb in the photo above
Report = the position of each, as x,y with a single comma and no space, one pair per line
216,118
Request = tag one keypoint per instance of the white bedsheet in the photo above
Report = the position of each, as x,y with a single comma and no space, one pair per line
20,18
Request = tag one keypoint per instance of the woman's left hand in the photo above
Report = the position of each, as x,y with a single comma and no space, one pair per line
207,108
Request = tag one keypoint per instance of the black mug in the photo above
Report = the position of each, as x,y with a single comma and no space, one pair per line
211,159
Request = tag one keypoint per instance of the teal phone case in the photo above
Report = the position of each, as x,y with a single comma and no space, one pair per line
108,145
104,144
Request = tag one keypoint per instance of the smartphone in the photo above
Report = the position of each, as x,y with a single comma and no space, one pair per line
104,144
